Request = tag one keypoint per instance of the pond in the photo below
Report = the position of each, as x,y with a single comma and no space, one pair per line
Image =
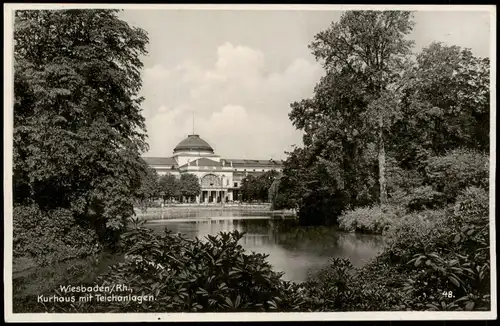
297,251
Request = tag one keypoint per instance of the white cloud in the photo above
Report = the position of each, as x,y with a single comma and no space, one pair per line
241,106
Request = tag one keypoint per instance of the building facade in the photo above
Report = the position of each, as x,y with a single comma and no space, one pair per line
220,178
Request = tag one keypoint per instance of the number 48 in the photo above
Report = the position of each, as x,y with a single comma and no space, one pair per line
448,294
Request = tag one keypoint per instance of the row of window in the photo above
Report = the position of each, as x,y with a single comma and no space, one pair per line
254,170
214,167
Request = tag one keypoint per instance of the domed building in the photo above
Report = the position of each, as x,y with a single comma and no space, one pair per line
220,178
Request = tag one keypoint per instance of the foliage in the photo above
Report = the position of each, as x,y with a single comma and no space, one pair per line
169,187
189,185
341,287
445,105
78,129
412,232
370,47
314,188
435,260
375,98
257,186
194,276
401,182
440,181
150,187
45,280
450,253
341,165
424,198
277,197
452,173
378,122
249,188
50,236
370,219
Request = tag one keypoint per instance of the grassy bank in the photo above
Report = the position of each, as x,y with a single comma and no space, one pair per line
30,282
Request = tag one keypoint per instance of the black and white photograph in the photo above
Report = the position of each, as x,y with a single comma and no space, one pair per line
249,162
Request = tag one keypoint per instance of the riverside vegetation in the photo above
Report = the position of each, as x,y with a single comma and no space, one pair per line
425,263
392,145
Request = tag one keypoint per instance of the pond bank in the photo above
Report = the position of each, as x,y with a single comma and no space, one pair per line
190,211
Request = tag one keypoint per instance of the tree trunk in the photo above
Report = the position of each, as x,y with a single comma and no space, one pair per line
381,163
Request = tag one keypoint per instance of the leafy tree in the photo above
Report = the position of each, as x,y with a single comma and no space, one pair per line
78,128
313,186
249,188
169,187
150,188
256,186
347,121
274,194
264,182
369,47
445,105
189,185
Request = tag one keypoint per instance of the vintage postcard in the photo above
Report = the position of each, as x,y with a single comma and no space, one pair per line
249,162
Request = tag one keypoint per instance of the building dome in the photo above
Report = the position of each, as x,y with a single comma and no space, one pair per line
193,143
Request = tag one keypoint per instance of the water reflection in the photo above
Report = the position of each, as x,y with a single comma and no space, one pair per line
213,212
295,250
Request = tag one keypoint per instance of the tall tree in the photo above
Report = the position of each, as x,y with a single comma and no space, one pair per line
189,185
150,187
78,128
249,188
371,46
256,186
169,187
445,105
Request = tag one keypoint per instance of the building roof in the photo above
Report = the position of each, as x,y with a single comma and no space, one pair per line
203,162
168,161
254,163
193,143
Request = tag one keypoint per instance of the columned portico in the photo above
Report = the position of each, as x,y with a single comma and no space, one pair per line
208,196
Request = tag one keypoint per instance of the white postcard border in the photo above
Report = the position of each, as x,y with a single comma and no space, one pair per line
340,316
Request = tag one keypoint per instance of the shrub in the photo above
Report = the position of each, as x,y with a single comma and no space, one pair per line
410,234
424,198
276,198
50,236
341,287
473,206
370,219
445,252
399,179
43,280
186,275
452,173
434,260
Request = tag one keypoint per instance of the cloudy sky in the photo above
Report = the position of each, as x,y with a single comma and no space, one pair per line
238,72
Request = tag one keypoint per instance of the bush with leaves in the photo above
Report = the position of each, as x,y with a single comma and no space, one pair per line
370,219
448,252
185,275
276,197
424,198
342,287
47,237
461,168
435,260
46,280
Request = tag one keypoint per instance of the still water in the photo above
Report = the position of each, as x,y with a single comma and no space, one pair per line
297,251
